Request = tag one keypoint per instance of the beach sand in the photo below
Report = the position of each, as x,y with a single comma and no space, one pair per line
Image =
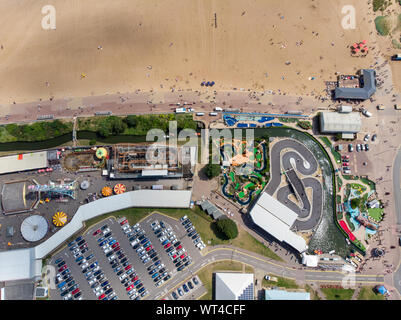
163,44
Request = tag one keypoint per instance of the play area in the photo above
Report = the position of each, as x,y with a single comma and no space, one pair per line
362,212
246,169
85,159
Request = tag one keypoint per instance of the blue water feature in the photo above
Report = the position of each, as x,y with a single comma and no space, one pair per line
252,125
277,124
242,125
268,125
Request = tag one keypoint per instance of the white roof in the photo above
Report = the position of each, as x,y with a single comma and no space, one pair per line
19,264
150,172
340,122
276,219
27,161
26,263
230,286
310,260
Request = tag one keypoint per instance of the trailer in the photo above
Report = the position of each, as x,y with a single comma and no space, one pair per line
345,109
396,57
180,110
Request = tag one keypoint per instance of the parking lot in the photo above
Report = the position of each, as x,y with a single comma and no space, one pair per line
114,260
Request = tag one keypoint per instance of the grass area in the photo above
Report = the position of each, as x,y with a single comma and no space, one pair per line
313,293
204,225
368,182
335,153
348,177
382,25
281,283
350,224
338,294
376,213
367,293
206,274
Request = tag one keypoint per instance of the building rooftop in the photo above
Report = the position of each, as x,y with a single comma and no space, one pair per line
278,294
234,286
340,122
365,92
23,162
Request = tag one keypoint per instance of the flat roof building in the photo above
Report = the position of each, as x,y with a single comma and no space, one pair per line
367,89
23,162
334,122
279,294
276,219
234,286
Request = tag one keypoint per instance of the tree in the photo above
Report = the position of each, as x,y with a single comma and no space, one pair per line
212,170
228,227
355,203
92,142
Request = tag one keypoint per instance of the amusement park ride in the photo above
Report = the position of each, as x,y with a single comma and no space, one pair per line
56,190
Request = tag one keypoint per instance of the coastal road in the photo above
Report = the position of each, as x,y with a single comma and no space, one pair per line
397,200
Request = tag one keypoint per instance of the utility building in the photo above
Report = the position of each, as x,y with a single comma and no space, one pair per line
345,123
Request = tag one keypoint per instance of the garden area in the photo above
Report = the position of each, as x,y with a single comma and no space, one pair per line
368,293
242,181
337,292
335,153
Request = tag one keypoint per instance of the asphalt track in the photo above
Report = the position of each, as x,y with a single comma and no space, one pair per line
397,200
308,218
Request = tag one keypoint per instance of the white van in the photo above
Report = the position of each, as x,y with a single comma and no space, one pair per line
366,113
218,109
213,114
200,114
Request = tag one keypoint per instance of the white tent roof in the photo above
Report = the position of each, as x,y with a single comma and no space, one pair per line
340,122
230,286
27,161
19,264
276,219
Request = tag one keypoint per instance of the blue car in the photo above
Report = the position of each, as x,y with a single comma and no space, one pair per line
71,243
105,283
58,261
93,265
155,275
89,257
79,258
78,239
101,244
144,240
165,242
62,284
137,282
100,239
112,242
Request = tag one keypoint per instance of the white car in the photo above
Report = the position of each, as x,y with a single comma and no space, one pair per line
125,226
105,246
128,230
163,238
123,276
136,226
134,242
160,266
174,241
144,257
92,281
107,250
85,265
367,137
159,283
105,231
98,293
112,257
96,269
169,229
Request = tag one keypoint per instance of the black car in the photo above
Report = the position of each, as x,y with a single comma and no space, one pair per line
180,268
141,237
176,260
185,288
100,276
166,277
169,249
112,262
78,295
154,254
84,250
71,282
132,239
61,264
107,235
108,291
124,280
120,272
126,263
191,233
64,293
89,257
195,281
123,260
187,263
162,224
105,283
195,236
85,270
185,222
65,272
155,258
108,254
159,235
80,243
140,285
136,246
104,227
179,263
174,295
121,256
177,244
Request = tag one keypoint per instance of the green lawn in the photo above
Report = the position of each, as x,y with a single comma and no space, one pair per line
376,213
338,294
206,274
313,293
203,224
368,182
367,293
282,283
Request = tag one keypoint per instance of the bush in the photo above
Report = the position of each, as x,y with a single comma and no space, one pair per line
381,5
92,142
306,125
382,25
212,170
228,227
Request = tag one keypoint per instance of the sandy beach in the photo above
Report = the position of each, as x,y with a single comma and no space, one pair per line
122,46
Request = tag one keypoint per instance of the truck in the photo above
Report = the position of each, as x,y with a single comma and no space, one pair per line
397,107
180,110
345,109
396,57
380,107
296,112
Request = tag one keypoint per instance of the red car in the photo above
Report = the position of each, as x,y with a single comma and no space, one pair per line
96,232
174,256
136,278
130,287
116,249
83,246
62,268
102,296
346,157
128,267
115,245
183,256
75,291
167,245
124,222
345,164
179,247
148,248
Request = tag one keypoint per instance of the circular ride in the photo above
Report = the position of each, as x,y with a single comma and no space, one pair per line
119,188
85,185
34,228
106,191
60,219
101,153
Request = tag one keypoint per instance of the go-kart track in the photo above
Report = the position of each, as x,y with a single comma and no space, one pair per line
283,159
